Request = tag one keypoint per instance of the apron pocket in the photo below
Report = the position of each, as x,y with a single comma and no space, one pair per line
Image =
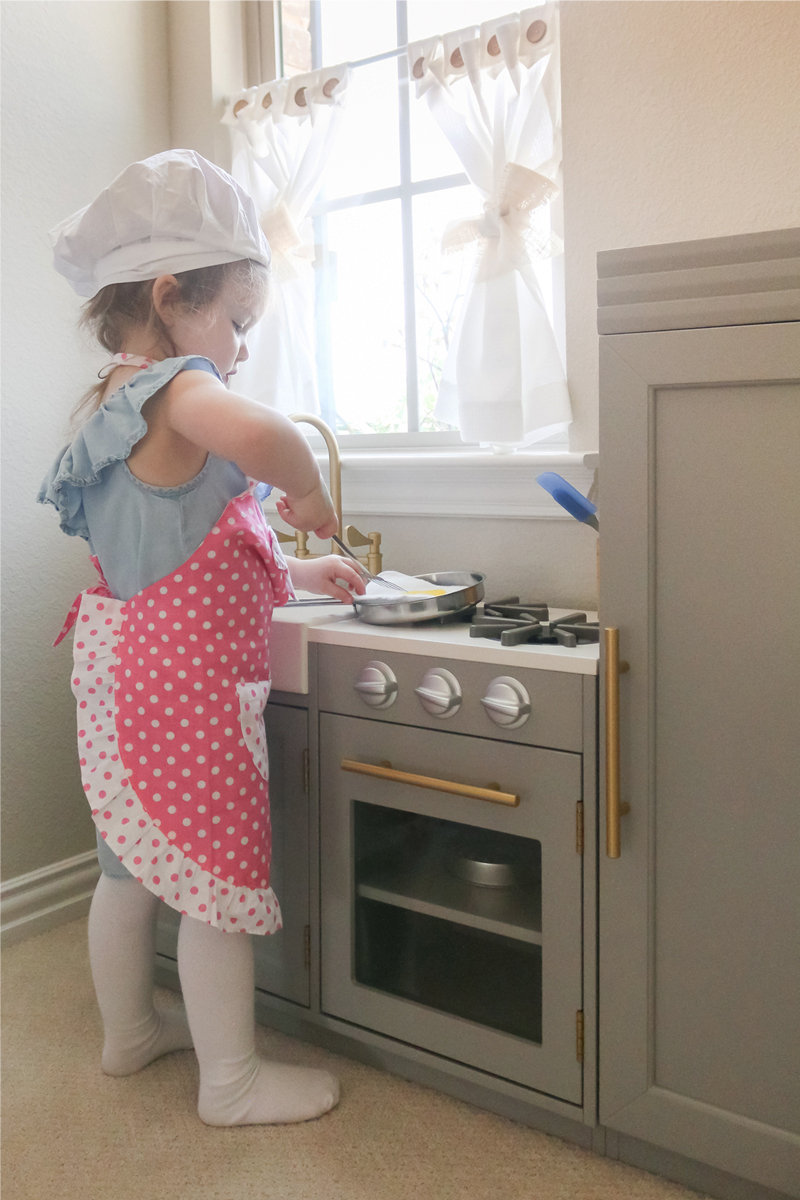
252,702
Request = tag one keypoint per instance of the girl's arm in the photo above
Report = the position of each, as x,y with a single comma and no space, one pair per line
262,442
322,575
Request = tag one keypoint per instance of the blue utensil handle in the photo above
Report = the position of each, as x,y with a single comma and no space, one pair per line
569,498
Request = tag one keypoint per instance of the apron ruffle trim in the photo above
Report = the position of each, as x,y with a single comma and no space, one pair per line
137,839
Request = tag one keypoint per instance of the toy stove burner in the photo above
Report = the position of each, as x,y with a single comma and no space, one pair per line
455,618
514,623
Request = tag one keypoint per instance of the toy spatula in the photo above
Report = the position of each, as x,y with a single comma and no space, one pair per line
569,498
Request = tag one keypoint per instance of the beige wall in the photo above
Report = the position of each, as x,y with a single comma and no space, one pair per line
84,94
681,121
206,65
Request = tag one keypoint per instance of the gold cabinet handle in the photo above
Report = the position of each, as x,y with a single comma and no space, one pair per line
385,771
614,808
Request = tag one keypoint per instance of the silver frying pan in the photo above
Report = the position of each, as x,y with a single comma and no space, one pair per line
407,611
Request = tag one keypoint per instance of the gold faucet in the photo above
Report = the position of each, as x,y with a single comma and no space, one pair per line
373,559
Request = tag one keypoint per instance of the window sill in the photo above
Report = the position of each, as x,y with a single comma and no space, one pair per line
457,483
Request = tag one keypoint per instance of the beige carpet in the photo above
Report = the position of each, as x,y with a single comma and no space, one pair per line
71,1133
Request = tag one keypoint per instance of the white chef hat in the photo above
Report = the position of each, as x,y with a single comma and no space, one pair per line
172,212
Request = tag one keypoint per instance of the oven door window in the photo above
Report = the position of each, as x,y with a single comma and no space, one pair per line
449,916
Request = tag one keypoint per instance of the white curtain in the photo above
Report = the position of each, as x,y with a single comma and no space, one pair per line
283,134
494,92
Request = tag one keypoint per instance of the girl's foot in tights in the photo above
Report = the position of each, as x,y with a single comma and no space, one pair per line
236,1086
122,946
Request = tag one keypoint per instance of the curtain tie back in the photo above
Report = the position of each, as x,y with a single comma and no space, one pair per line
289,252
508,217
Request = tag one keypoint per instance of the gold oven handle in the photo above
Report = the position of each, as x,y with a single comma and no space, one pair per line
614,808
385,771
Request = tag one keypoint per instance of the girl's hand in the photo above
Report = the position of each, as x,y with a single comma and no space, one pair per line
321,575
312,513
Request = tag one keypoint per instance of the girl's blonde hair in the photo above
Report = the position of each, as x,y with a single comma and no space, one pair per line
110,315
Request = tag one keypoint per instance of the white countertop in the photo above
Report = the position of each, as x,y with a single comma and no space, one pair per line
454,641
335,624
288,646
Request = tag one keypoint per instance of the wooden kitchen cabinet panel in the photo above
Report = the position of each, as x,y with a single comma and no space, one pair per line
699,916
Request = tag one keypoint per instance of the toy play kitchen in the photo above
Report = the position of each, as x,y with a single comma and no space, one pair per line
448,807
465,904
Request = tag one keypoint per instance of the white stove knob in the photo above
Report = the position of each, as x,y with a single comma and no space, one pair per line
507,702
440,693
377,685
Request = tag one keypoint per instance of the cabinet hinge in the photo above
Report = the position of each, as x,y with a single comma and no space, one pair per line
307,947
579,1035
579,827
306,771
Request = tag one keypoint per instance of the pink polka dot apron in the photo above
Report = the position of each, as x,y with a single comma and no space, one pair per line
171,687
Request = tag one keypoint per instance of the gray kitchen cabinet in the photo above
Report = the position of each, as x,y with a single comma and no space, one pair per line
699,948
281,960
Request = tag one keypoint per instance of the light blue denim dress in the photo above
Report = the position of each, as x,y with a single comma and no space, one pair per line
138,533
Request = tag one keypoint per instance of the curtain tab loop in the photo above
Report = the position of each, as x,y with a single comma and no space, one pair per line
426,64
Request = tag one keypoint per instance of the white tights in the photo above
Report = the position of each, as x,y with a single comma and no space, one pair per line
216,973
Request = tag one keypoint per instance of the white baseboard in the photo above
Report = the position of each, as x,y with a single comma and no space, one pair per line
51,896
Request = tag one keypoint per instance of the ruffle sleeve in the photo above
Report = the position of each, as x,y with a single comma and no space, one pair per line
108,436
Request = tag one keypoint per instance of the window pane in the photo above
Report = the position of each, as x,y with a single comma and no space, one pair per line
366,154
295,36
355,29
428,17
441,280
366,313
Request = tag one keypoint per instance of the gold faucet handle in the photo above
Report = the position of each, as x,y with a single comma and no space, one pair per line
354,538
374,557
300,541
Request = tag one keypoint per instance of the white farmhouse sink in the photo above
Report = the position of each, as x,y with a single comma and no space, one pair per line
288,653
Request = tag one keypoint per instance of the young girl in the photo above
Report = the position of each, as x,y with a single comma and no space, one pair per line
171,647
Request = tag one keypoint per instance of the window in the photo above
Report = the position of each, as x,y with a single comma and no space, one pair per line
383,322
